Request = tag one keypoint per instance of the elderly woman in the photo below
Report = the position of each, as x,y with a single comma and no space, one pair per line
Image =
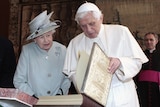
39,69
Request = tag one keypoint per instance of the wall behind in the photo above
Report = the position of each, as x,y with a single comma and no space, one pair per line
4,19
140,16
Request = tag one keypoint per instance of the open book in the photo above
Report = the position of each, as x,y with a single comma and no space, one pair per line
92,76
72,100
10,97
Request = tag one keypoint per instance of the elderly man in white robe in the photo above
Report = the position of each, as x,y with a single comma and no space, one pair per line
40,66
126,56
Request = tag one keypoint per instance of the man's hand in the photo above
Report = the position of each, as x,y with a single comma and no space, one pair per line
113,65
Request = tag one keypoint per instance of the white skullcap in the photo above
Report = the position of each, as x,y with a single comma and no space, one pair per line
88,7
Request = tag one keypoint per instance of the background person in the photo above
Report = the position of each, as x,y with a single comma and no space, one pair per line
126,56
39,70
7,63
149,78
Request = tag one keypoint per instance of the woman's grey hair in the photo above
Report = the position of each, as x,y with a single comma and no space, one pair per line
96,14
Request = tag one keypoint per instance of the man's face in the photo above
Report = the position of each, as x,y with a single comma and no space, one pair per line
45,41
90,25
150,41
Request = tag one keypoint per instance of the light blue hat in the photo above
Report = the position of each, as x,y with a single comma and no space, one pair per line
41,24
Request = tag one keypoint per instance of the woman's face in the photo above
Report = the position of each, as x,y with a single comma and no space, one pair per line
45,41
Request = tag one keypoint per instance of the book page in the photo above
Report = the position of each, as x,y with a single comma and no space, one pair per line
81,70
97,81
75,99
12,103
71,100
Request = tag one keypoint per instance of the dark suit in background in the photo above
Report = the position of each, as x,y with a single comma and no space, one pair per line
7,63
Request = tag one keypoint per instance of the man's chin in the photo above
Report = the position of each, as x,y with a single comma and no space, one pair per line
92,36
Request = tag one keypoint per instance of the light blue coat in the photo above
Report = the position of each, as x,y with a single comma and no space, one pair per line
40,72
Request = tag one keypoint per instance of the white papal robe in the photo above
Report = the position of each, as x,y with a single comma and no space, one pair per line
116,41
